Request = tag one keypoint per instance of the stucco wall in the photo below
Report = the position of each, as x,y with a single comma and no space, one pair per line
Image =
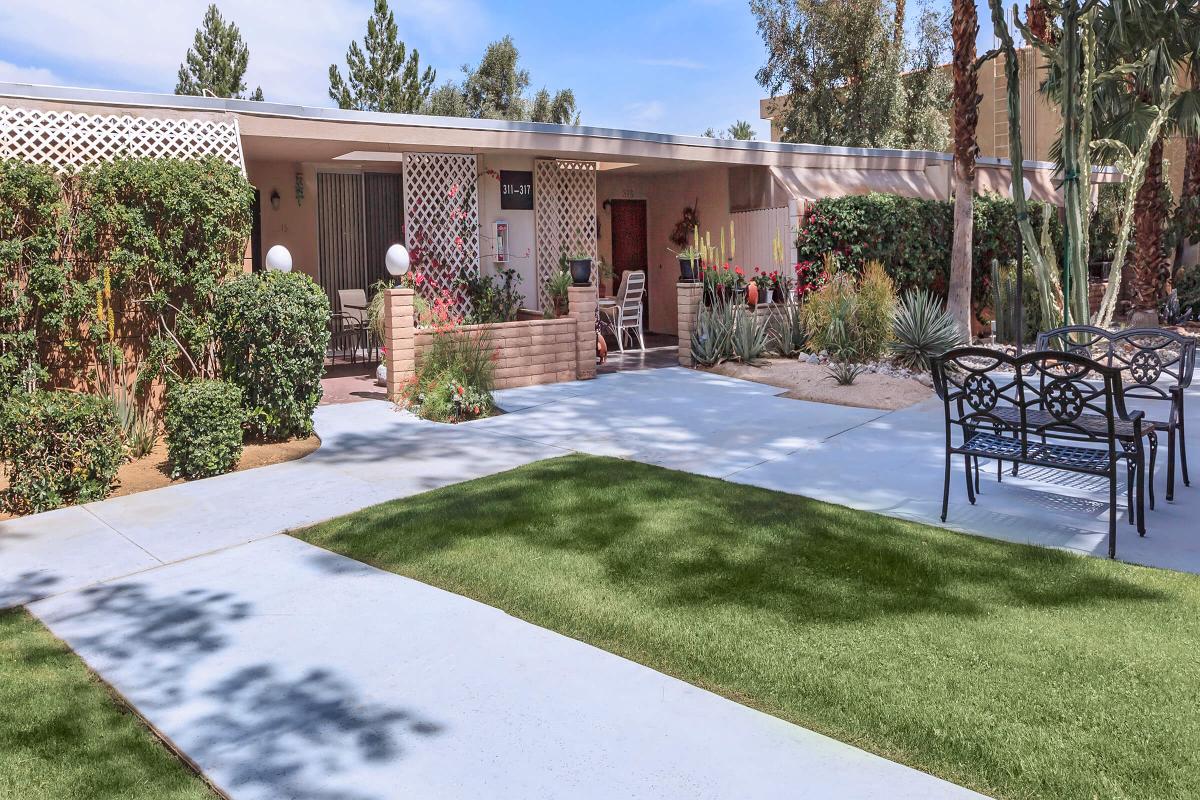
520,225
294,225
666,196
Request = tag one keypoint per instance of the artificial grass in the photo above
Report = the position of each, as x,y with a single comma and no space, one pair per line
1018,671
63,736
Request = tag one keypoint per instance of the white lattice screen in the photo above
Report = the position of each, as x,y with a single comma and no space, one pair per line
441,214
67,140
564,214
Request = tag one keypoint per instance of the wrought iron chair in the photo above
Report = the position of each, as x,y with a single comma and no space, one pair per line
1145,357
1057,398
344,337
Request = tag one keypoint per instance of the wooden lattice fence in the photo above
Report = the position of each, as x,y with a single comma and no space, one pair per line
68,140
441,216
564,215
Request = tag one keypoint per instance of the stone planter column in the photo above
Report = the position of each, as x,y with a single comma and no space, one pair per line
688,297
400,328
582,301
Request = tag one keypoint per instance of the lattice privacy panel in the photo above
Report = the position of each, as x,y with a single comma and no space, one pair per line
564,197
67,140
441,215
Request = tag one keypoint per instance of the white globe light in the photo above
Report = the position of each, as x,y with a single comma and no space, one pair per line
396,260
278,258
1025,184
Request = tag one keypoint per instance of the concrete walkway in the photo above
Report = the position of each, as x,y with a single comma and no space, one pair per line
287,671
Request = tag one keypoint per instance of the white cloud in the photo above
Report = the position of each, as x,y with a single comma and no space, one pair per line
645,113
12,73
676,63
141,43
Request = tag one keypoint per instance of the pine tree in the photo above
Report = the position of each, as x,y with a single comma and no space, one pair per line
216,62
387,77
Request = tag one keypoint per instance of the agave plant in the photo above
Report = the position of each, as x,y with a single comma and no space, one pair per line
712,338
845,351
924,329
786,328
749,336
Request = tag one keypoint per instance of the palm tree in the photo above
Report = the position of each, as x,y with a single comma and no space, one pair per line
1142,48
966,117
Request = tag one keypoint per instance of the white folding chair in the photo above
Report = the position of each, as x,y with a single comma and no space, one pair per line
626,313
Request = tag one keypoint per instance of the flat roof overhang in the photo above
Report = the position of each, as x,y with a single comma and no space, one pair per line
296,133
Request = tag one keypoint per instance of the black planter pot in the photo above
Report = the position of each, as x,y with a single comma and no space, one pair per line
581,271
689,270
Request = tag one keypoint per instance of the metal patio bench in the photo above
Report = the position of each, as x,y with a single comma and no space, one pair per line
1155,365
1056,410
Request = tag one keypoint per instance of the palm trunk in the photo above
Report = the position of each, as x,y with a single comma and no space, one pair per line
966,117
1150,266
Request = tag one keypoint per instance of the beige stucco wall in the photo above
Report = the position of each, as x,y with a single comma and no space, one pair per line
294,225
666,196
520,225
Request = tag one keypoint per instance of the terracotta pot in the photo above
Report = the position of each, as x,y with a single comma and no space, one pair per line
752,295
601,348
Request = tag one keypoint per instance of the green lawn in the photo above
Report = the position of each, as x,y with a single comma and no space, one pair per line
1017,671
64,737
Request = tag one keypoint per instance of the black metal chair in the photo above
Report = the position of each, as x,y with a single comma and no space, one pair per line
1039,409
345,336
1145,356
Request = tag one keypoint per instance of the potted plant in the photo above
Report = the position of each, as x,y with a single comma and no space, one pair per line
689,264
720,282
556,289
579,261
764,283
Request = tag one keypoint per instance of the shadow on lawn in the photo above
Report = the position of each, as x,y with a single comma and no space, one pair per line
679,539
250,724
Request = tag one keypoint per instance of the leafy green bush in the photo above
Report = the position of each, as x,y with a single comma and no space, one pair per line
493,298
924,329
58,448
204,428
272,329
911,237
35,301
170,231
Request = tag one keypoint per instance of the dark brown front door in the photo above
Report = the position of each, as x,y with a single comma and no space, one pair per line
629,241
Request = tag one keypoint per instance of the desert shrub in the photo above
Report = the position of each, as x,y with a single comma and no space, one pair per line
837,296
204,428
845,341
876,308
272,329
58,448
924,329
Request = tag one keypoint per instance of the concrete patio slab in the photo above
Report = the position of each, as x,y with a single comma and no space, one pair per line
286,671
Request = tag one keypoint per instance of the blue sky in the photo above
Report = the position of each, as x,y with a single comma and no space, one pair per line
677,66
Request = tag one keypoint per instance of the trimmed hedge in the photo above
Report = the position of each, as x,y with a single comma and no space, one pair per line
912,237
58,448
204,428
272,330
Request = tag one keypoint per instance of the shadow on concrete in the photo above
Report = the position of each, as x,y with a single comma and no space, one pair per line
255,730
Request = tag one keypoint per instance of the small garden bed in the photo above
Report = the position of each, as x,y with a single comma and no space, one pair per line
153,471
804,380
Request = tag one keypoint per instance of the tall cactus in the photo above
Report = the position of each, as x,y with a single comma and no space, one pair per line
1048,293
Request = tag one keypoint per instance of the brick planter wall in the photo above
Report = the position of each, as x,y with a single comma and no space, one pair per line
688,298
528,352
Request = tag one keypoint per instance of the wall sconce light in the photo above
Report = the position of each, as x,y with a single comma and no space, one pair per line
275,199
